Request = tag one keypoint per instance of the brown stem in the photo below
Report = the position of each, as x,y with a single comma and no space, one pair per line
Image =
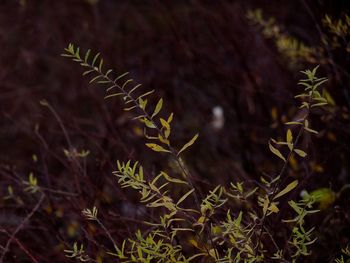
12,237
284,168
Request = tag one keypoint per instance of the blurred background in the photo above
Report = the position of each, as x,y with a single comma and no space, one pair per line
226,69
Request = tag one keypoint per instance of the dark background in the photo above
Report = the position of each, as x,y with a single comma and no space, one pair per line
196,55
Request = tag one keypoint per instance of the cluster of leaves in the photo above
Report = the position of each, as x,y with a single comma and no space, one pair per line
215,232
295,51
290,47
346,254
339,29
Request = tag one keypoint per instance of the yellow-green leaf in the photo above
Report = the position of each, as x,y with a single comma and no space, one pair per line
148,123
289,136
276,152
170,118
213,253
265,204
324,196
161,139
288,188
293,123
185,196
201,220
173,180
158,108
188,144
165,124
167,133
310,130
273,208
156,147
299,152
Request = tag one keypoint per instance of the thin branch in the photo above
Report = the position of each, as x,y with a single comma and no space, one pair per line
12,237
24,249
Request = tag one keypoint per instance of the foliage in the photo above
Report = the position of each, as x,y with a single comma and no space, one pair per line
241,235
290,47
295,51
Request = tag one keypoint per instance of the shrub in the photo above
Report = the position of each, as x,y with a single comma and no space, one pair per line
239,222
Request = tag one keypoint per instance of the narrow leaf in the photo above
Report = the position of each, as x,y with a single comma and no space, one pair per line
293,123
276,152
288,188
88,71
100,66
87,56
158,108
310,130
319,104
170,118
289,136
185,196
95,58
95,78
121,76
156,147
301,153
188,144
165,124
113,95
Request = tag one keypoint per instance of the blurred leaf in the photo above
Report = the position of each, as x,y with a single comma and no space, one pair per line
276,152
324,196
288,188
301,153
289,136
188,144
158,108
184,197
156,147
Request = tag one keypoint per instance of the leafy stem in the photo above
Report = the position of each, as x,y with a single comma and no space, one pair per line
314,99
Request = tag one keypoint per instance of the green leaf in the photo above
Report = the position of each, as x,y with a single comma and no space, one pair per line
173,180
319,104
299,152
148,123
87,55
310,130
156,147
170,118
134,88
320,83
276,152
273,208
100,66
120,76
188,144
114,95
288,188
289,136
165,124
158,108
88,71
324,196
293,123
145,94
314,70
108,72
95,79
185,196
95,58
295,206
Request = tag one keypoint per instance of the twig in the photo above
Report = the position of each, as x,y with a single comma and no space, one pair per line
12,237
25,250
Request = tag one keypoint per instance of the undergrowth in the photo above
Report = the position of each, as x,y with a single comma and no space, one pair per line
238,222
